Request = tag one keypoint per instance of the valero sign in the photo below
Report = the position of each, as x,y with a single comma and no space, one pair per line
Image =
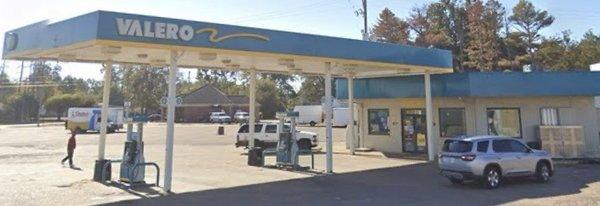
158,30
162,30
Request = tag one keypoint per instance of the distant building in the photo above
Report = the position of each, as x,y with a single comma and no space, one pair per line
198,104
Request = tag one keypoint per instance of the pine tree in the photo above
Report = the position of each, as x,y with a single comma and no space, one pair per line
587,52
484,24
390,28
529,21
418,22
557,52
448,29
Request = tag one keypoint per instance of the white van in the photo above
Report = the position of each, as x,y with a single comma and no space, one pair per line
341,118
309,114
83,119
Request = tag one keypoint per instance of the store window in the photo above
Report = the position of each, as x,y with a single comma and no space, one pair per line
504,122
549,116
378,121
452,122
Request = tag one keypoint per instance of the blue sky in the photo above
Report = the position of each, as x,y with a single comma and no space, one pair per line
331,17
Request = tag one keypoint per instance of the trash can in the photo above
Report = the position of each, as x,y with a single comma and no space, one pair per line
98,166
221,130
255,157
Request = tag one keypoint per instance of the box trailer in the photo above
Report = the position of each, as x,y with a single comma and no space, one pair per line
309,114
83,119
341,117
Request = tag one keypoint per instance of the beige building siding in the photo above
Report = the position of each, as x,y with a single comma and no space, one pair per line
573,111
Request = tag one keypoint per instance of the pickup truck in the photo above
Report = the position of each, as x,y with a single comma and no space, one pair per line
266,135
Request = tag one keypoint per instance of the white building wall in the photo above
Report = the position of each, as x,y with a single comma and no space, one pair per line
595,67
575,111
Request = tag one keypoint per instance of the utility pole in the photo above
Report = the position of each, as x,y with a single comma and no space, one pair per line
21,77
19,91
364,14
3,67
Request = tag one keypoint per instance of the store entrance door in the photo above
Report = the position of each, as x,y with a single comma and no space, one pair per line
414,130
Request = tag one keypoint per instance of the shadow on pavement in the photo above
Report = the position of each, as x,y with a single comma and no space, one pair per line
417,184
141,191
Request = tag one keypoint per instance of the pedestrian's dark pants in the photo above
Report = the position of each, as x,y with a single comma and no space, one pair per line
69,157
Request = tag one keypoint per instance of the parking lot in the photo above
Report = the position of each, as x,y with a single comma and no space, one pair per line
209,170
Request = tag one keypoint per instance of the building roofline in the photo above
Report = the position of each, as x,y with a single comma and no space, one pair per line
478,84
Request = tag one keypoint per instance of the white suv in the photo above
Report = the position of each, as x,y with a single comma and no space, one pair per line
219,117
491,159
266,135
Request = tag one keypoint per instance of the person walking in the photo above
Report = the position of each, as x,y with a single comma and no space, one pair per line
70,149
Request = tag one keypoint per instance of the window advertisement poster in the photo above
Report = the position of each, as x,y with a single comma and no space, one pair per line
378,121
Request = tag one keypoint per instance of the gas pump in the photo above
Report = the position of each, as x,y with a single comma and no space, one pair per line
287,151
287,147
132,167
133,164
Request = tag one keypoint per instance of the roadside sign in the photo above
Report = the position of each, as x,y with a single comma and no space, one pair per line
165,100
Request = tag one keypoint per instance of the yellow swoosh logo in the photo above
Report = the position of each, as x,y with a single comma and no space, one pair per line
214,32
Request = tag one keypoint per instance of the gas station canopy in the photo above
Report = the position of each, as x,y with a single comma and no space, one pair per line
109,37
139,39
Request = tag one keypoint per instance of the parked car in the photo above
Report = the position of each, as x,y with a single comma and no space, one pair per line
155,117
241,117
490,159
266,134
219,117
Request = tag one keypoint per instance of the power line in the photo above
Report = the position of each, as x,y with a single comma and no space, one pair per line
366,26
315,9
281,12
29,86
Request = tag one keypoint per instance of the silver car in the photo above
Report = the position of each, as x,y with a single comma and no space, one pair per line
492,158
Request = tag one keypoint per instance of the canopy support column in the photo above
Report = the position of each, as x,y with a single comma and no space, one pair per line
252,109
171,100
351,111
429,118
99,164
104,115
328,123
